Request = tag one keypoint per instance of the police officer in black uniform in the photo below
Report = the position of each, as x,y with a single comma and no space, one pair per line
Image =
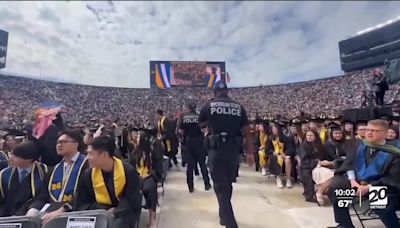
193,142
226,120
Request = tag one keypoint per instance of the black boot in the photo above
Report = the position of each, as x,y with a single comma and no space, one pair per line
207,186
191,189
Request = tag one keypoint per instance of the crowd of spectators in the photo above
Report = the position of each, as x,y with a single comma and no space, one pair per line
90,105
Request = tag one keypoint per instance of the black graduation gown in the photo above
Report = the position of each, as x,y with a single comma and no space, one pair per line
288,150
18,198
47,144
43,196
3,160
169,126
157,169
129,204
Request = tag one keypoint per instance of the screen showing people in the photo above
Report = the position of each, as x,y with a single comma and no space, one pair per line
193,73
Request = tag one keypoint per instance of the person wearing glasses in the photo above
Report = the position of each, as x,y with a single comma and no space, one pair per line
376,163
63,180
360,130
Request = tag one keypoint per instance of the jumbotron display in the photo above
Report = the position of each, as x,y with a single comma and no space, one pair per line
169,74
3,48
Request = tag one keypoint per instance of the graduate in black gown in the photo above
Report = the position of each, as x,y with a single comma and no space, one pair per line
282,151
9,145
110,184
21,182
312,155
150,168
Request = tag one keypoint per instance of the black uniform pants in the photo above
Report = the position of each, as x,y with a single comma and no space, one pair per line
183,153
342,215
172,152
149,189
308,184
195,153
380,97
256,159
223,165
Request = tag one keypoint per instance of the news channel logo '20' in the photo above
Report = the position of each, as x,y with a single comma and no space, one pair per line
377,197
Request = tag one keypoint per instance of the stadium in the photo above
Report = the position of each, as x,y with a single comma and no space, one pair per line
37,117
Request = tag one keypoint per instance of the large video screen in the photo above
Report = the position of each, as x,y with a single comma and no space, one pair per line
167,74
3,48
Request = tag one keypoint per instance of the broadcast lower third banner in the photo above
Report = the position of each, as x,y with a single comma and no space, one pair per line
3,48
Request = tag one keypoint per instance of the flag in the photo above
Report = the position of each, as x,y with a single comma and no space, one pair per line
392,71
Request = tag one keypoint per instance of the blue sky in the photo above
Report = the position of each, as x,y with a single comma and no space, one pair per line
111,43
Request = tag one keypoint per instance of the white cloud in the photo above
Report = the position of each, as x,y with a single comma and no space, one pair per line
103,43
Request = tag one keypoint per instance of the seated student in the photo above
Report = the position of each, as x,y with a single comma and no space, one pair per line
360,130
296,137
315,165
376,163
265,147
58,194
7,146
109,184
150,169
282,152
393,134
3,160
21,182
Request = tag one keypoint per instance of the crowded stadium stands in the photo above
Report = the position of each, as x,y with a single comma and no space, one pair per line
318,97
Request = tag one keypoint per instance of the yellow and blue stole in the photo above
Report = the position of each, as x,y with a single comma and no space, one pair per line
37,176
99,186
374,170
62,186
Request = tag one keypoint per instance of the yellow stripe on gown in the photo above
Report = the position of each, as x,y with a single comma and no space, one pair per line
323,135
142,169
278,148
261,153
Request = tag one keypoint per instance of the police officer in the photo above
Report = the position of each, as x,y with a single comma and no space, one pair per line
226,120
193,142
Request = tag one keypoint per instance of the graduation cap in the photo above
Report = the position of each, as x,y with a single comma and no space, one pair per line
296,121
13,132
334,126
361,123
134,129
396,118
286,121
279,123
304,121
143,131
386,117
258,120
347,121
315,119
